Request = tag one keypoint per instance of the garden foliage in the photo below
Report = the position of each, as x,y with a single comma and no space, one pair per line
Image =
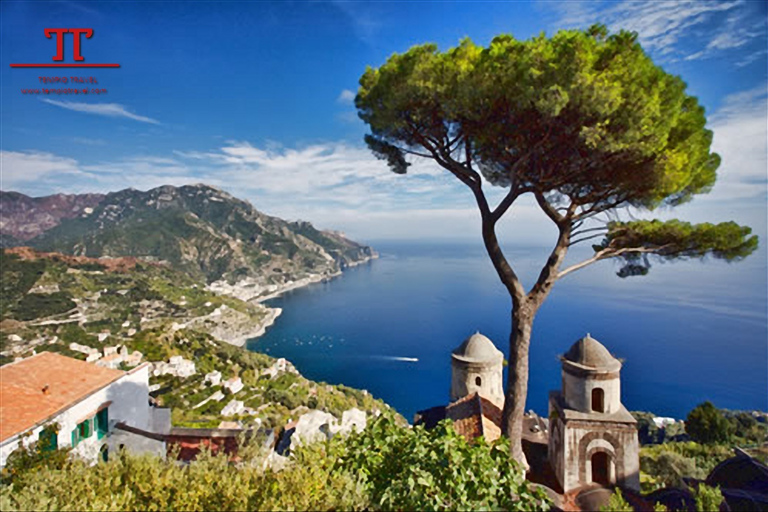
385,467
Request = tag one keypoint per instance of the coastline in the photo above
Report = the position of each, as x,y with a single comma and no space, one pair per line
241,339
314,278
260,329
294,285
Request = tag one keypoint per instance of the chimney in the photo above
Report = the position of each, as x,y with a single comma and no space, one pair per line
46,389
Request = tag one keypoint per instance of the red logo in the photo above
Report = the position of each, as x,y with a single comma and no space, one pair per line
76,49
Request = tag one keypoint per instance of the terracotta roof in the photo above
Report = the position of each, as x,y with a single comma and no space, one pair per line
24,404
430,417
474,416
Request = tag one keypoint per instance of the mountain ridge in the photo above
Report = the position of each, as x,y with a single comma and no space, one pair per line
200,229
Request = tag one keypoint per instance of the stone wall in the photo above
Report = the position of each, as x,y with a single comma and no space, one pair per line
464,381
573,443
577,391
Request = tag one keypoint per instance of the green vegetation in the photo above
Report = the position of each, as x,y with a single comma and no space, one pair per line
649,433
666,464
665,458
708,498
706,424
385,467
38,457
40,305
585,122
16,279
746,429
418,469
617,503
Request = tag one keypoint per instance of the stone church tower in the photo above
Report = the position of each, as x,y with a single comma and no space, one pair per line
593,438
477,367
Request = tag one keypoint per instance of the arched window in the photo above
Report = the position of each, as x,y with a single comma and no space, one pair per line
598,400
478,381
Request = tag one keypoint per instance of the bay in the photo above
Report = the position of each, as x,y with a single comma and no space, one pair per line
687,332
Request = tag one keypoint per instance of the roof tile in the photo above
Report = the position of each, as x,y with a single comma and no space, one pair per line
24,404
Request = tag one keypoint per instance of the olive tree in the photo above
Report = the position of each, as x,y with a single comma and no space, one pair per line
584,122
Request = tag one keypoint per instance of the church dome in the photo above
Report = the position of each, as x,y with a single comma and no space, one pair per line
589,354
478,349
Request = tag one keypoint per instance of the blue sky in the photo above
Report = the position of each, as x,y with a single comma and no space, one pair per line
256,98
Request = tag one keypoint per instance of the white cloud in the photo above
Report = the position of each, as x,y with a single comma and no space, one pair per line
734,33
664,26
20,167
341,186
346,96
329,172
752,57
741,139
88,142
101,109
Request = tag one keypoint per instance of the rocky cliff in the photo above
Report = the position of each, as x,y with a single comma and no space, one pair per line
23,218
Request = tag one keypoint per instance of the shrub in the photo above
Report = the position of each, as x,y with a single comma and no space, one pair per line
617,503
704,457
747,429
36,457
708,498
418,469
668,467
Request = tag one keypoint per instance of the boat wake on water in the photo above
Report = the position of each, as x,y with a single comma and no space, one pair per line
397,358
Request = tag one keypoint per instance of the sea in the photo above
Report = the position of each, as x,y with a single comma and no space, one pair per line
687,332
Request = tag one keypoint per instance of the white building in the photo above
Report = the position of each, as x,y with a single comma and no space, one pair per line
234,384
83,349
176,365
83,401
214,377
111,361
232,408
280,366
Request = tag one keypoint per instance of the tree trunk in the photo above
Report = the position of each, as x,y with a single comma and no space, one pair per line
517,380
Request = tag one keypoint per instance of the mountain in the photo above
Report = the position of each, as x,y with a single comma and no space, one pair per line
24,217
196,228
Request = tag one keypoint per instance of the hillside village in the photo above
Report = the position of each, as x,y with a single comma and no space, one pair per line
119,312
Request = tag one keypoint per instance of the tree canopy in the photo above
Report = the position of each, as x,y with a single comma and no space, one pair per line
584,120
706,424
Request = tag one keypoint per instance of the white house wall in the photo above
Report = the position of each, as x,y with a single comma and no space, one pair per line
129,397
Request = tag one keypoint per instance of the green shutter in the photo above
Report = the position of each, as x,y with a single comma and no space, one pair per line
48,440
74,437
102,422
85,429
